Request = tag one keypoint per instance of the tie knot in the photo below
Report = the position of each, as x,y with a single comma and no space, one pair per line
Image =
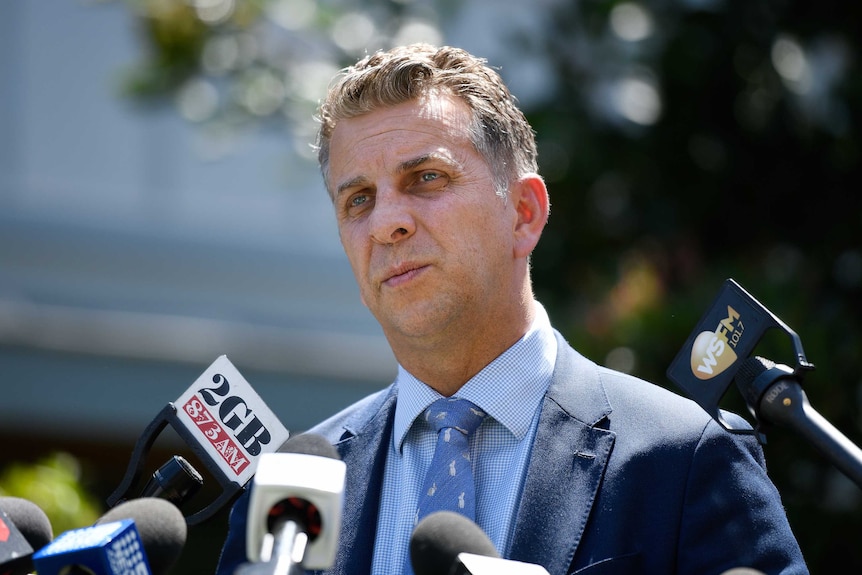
456,413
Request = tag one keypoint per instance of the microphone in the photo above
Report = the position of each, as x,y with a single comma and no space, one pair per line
774,395
177,481
227,426
294,515
160,524
24,527
440,537
111,549
141,537
448,543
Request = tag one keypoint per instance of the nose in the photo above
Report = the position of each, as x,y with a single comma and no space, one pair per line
390,220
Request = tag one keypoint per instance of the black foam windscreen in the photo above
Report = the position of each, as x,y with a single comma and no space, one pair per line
439,538
29,519
160,524
310,444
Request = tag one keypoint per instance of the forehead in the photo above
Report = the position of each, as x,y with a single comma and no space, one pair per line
437,124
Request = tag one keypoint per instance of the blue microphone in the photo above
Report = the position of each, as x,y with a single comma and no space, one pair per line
143,536
111,549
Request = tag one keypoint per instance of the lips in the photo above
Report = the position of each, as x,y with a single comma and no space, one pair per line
403,273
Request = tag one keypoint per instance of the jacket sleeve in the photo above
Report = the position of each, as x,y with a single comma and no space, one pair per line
730,498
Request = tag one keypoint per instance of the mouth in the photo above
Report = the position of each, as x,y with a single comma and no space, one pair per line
403,274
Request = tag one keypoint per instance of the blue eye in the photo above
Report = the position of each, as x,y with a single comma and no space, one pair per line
429,176
358,200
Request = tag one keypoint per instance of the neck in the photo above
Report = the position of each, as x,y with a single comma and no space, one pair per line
451,358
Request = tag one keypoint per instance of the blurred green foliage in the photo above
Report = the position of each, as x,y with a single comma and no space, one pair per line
56,485
683,143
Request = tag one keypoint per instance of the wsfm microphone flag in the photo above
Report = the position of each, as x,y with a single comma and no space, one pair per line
723,339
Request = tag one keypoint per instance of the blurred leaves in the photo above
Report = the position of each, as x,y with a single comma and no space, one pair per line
234,65
55,485
176,40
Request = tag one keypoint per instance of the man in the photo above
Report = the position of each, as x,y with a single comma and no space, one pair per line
432,171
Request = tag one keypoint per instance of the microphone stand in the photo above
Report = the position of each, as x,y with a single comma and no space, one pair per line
289,549
282,552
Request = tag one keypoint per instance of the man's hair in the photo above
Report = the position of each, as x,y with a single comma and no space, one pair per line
499,130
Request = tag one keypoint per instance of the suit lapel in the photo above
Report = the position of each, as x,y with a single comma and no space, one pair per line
568,460
364,480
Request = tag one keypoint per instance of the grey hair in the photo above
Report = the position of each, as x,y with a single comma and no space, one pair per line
499,130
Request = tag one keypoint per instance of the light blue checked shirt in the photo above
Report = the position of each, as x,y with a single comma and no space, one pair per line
510,390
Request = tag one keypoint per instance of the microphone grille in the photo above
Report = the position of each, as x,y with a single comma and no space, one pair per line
753,367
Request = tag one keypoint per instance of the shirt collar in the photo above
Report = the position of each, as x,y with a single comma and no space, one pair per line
517,377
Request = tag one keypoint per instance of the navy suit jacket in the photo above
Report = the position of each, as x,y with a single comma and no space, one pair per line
625,477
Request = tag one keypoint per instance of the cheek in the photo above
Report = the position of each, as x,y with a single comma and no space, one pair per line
349,236
353,248
493,228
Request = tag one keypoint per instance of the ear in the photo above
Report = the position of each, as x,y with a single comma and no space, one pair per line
529,197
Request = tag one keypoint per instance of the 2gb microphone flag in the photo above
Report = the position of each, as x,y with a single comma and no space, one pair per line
224,422
725,336
230,420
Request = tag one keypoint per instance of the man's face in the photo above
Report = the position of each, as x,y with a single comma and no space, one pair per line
429,241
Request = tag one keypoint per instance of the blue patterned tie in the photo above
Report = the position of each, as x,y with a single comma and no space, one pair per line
449,482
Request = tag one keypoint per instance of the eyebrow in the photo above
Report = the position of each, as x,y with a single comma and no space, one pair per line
408,165
357,181
403,167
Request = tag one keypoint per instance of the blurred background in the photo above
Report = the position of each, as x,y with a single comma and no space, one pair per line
160,206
